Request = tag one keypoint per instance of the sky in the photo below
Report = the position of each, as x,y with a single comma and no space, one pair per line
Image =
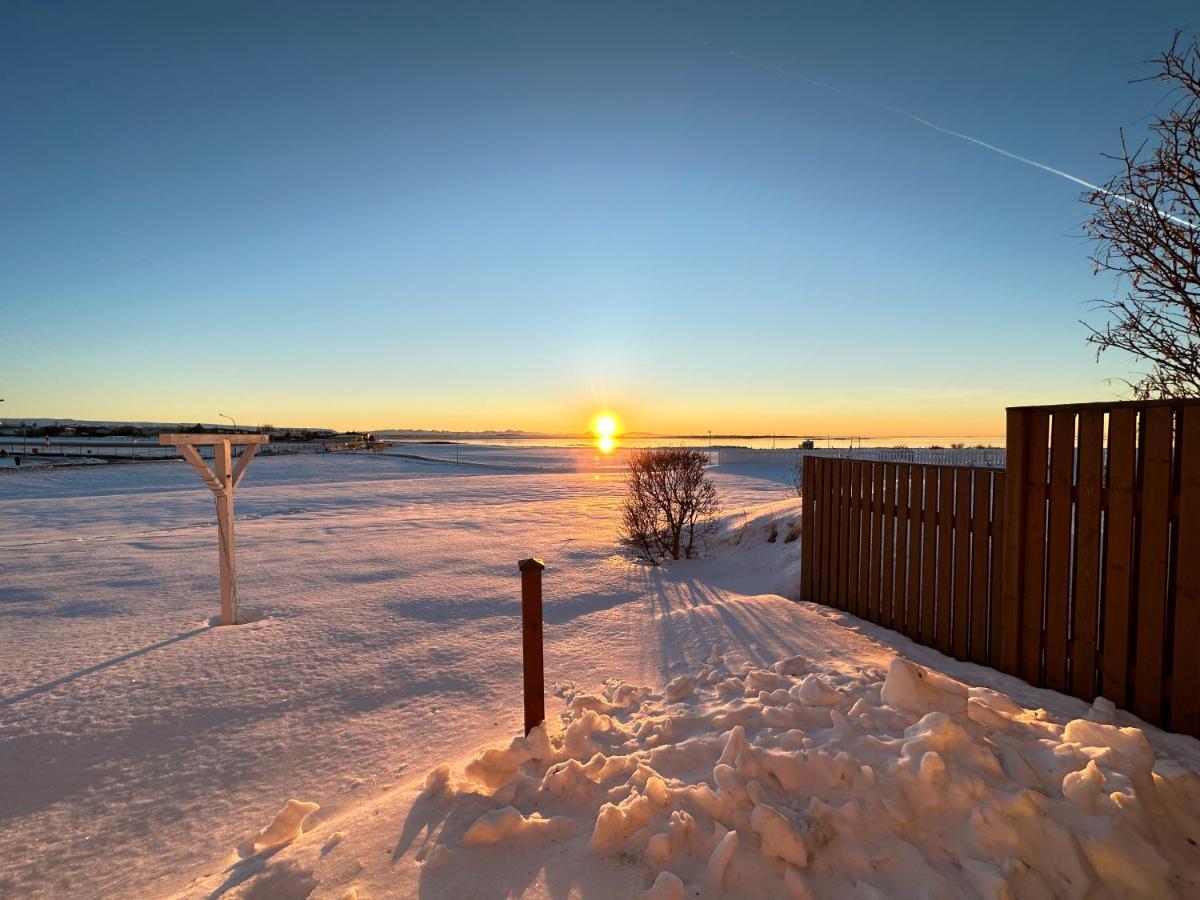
476,216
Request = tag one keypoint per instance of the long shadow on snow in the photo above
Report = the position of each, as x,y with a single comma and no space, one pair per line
707,613
99,667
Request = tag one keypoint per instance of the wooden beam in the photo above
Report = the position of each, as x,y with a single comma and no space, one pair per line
182,439
205,473
225,536
240,469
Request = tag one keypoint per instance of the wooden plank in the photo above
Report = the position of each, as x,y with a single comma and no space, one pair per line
998,574
853,539
887,572
1006,614
1185,680
225,545
193,439
843,535
808,529
1058,549
980,545
1153,531
961,616
943,599
928,592
243,463
916,536
874,544
1034,539
205,473
1086,603
838,561
903,553
1118,557
828,520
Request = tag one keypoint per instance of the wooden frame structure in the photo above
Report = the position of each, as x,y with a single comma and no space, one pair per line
222,480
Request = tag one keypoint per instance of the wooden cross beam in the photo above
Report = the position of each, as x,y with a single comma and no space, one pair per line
222,480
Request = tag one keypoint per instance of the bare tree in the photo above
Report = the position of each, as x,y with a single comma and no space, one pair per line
796,479
1146,223
670,504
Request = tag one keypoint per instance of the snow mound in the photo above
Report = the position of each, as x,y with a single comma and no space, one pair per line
806,780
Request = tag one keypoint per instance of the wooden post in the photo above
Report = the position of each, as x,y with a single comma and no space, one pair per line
222,463
222,480
531,641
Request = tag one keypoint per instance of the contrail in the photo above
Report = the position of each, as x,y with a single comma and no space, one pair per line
965,137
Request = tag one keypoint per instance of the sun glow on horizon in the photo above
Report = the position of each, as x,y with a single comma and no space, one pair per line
606,428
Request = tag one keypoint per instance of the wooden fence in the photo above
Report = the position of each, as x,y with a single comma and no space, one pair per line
1077,568
916,548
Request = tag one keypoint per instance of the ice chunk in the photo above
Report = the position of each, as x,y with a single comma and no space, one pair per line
919,690
616,821
719,858
495,767
794,666
681,687
779,838
1130,743
667,886
507,824
288,824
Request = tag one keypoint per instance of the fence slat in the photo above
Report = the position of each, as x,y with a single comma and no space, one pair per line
980,545
808,527
904,552
961,618
944,602
874,539
1185,680
1006,618
999,573
1122,435
825,467
928,590
853,598
1032,587
835,532
1058,557
888,558
1151,603
1087,554
843,534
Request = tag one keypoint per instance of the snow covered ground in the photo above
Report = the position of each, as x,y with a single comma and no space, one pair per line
705,735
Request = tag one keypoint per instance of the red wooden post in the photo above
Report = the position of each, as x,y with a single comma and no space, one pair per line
531,641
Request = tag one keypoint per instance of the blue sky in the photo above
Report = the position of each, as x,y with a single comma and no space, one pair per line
510,215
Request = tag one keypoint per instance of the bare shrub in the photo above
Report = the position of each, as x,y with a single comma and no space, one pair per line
670,504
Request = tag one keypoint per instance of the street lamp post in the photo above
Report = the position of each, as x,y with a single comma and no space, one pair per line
230,418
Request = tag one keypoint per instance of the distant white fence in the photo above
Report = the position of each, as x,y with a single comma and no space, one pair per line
984,457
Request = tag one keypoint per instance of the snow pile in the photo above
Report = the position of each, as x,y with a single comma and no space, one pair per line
810,780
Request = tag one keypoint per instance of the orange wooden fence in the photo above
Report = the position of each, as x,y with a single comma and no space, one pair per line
910,547
1077,568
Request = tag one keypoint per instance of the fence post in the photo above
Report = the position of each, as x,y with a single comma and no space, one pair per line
531,641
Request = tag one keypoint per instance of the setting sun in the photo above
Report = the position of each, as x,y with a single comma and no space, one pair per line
605,427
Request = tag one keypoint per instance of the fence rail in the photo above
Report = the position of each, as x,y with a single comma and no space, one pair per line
1076,568
795,456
